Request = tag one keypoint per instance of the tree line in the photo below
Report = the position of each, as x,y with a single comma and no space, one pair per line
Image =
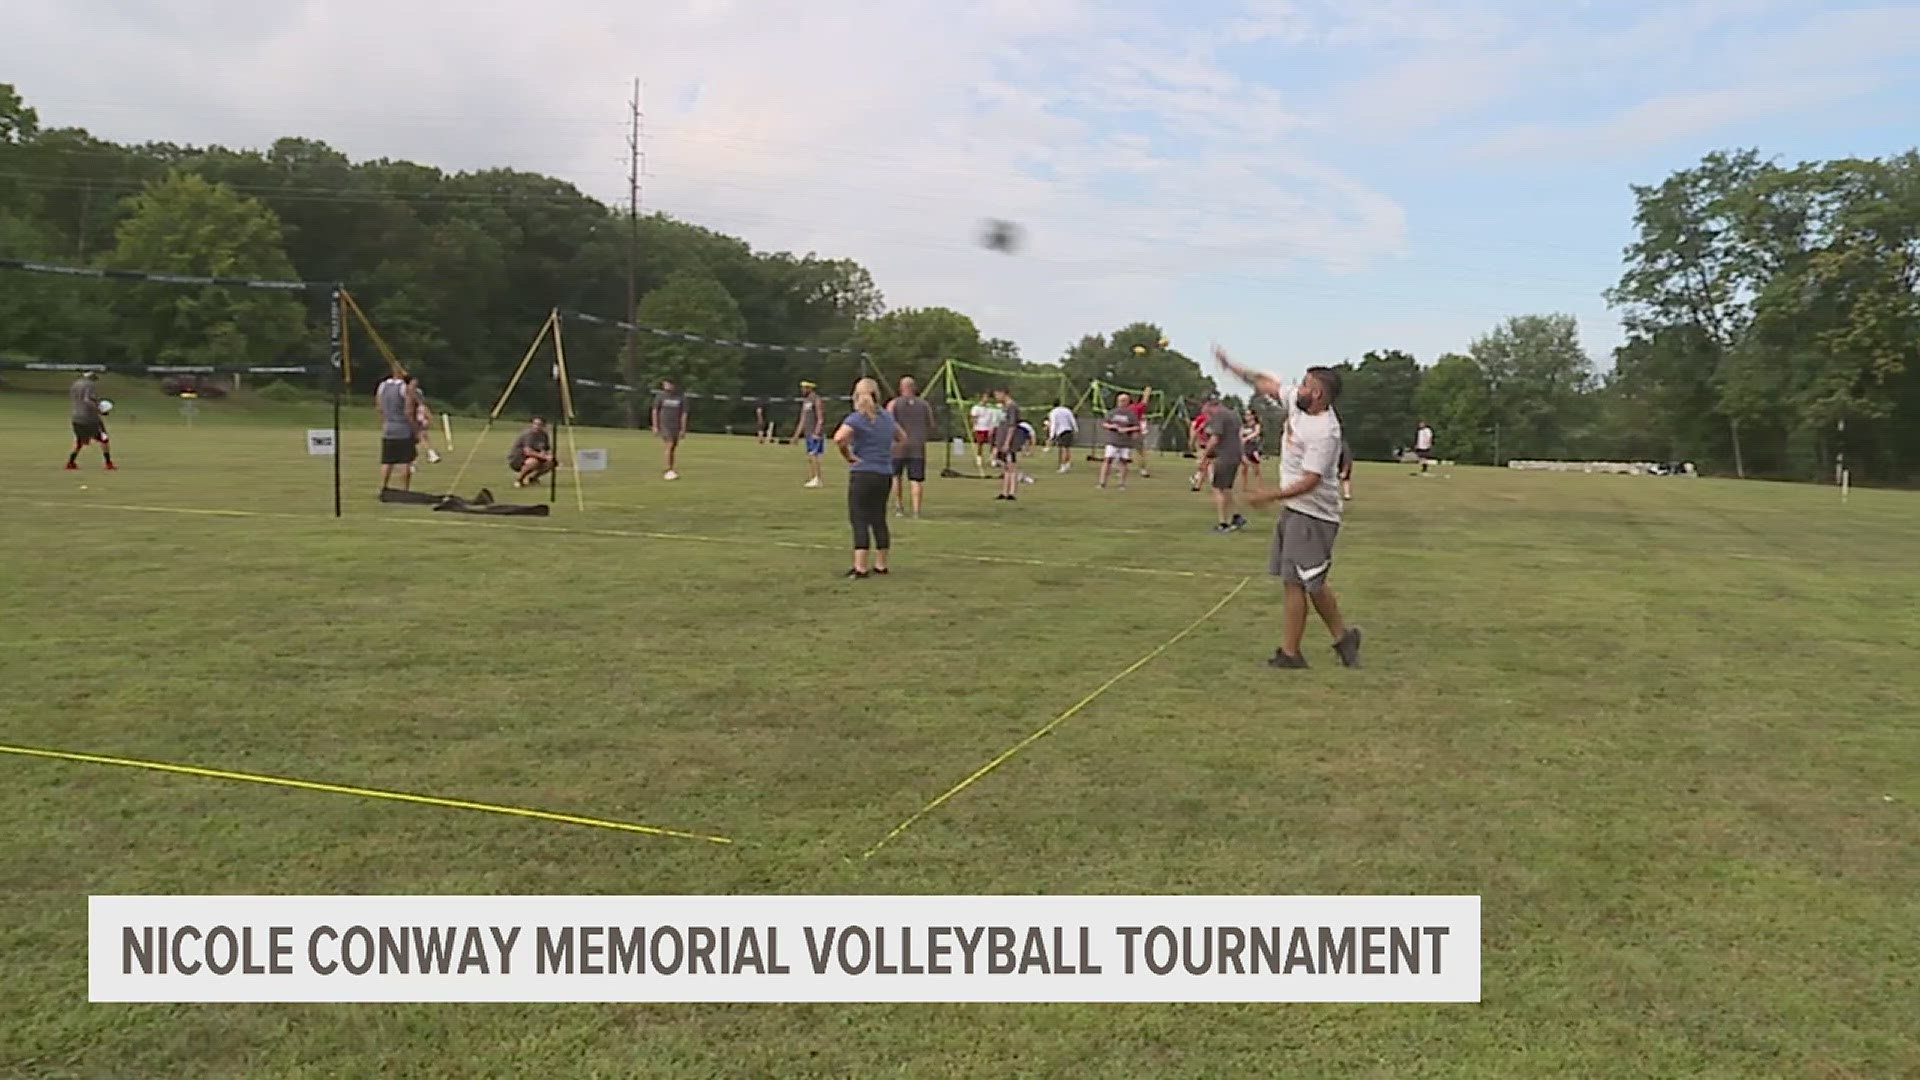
1772,312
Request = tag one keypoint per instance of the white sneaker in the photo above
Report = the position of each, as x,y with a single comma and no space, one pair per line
1025,479
671,475
1064,468
433,457
813,483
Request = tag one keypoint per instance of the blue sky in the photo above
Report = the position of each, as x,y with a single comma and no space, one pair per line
1301,179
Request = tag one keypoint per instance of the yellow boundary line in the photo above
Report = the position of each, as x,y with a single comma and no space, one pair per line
1047,729
631,534
360,792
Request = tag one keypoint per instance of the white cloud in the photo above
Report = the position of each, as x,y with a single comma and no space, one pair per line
884,132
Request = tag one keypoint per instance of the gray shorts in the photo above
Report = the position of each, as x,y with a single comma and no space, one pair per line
1302,550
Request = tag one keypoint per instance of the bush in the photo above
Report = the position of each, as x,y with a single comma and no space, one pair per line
286,393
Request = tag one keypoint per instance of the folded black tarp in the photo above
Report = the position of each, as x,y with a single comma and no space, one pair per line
457,505
480,504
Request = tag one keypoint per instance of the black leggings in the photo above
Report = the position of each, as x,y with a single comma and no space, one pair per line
867,509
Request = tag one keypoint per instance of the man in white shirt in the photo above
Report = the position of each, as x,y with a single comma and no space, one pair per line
1423,446
1309,497
1061,427
985,417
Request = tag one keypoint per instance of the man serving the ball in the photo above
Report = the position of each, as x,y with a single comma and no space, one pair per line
1309,497
88,425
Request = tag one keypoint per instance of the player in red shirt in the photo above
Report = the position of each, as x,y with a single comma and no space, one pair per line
1196,438
1140,417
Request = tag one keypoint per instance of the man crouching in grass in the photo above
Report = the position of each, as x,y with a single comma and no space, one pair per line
531,456
1310,506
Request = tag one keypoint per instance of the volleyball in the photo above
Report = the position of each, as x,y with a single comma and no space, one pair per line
1001,236
106,407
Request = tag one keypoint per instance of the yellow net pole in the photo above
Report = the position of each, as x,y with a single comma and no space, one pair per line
545,328
393,362
566,411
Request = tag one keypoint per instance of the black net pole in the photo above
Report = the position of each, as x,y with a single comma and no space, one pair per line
339,380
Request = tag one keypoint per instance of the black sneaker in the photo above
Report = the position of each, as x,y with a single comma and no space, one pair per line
879,573
1348,647
1222,529
1289,663
1239,521
856,575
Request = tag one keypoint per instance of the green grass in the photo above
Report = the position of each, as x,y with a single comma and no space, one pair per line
1667,729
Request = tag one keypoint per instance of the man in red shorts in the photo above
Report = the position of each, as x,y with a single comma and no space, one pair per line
1140,426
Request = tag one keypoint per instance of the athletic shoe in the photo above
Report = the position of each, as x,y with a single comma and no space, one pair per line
1222,529
856,575
1026,479
1287,663
71,467
814,483
433,457
1239,521
879,572
111,467
1064,468
1348,647
671,475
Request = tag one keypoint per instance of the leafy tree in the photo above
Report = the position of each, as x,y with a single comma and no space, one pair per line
18,122
693,303
1377,410
1536,373
1456,398
1698,263
917,341
186,225
1134,356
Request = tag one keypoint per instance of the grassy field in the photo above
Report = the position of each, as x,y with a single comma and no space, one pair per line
1666,728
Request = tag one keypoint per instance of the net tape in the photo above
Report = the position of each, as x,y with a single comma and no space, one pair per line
702,339
165,369
31,267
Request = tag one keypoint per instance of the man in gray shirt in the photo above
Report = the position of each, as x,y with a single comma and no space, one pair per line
915,418
531,455
1006,444
1121,427
1309,496
397,402
88,424
1224,447
670,421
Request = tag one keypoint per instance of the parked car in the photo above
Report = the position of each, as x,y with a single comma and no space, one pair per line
198,385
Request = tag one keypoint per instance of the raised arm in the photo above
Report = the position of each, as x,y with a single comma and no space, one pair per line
1263,383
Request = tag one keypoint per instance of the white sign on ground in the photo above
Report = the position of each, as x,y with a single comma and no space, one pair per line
320,442
590,460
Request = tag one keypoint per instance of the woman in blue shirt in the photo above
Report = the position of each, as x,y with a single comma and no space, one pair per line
866,438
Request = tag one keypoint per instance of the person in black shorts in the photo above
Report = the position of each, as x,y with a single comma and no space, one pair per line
1224,446
89,426
397,402
914,417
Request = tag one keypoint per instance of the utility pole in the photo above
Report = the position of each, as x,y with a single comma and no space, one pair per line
630,367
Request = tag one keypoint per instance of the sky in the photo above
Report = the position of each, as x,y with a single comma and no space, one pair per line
1300,180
